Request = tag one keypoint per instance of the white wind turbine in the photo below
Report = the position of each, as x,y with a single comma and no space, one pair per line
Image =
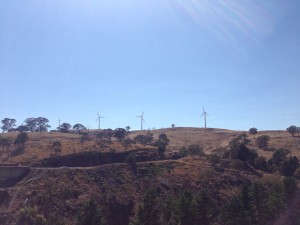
99,120
142,120
204,114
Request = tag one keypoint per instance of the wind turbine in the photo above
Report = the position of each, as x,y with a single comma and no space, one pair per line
99,120
142,120
205,114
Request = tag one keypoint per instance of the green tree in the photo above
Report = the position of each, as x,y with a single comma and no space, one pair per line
42,124
127,128
289,166
148,212
120,134
185,208
260,163
241,152
31,123
79,127
21,139
162,143
202,208
22,128
8,124
292,130
263,141
91,215
253,131
64,127
258,195
141,139
233,213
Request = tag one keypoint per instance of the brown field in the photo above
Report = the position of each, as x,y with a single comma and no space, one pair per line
210,140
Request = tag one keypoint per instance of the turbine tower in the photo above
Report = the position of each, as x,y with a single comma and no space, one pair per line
99,120
204,114
142,120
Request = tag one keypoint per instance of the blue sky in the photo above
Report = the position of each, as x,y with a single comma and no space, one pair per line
240,59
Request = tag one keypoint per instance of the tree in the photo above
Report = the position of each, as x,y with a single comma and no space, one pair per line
64,127
127,128
149,138
127,143
120,134
31,123
5,142
148,213
79,127
173,126
42,124
289,166
141,139
263,141
162,143
253,131
22,128
260,163
56,146
91,215
292,130
241,152
21,139
8,124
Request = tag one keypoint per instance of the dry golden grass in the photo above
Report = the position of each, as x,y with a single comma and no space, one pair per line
210,140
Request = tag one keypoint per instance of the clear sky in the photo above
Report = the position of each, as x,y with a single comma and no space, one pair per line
67,59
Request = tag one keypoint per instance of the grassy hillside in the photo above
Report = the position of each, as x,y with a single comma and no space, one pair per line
118,192
210,140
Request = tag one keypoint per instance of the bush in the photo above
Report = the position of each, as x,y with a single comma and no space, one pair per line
21,139
29,216
17,151
214,159
131,161
289,165
263,141
237,164
195,150
241,152
260,163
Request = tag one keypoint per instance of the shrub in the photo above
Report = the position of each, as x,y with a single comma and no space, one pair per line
131,161
289,165
17,151
21,139
29,216
263,141
195,150
214,159
260,163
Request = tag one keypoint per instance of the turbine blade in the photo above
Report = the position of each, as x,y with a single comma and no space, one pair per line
97,113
